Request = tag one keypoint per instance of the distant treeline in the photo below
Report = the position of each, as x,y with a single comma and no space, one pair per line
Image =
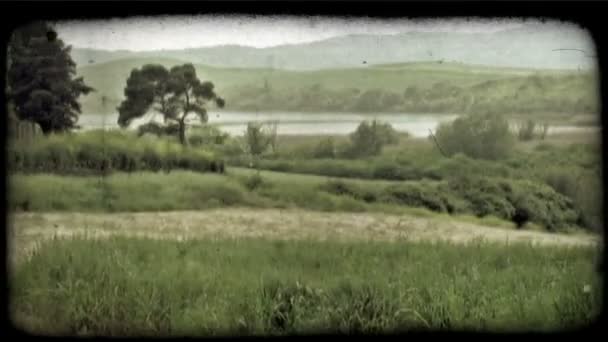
531,94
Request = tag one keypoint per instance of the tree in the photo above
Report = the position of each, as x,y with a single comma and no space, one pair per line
390,100
411,93
543,130
267,87
104,100
369,100
370,137
525,131
256,138
485,136
40,79
271,132
174,93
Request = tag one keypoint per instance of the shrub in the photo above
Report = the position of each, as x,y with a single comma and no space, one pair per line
229,148
343,149
253,182
487,204
460,165
484,136
338,168
341,188
207,135
279,165
517,200
370,137
419,194
151,160
589,202
525,132
150,128
299,196
584,188
325,149
563,181
397,171
58,156
422,195
388,170
158,130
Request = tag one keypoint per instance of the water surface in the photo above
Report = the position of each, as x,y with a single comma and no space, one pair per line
297,123
301,123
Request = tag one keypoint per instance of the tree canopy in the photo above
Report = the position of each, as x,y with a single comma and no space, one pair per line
175,93
370,138
40,79
480,135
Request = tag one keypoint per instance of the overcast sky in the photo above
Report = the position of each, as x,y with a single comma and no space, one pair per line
140,34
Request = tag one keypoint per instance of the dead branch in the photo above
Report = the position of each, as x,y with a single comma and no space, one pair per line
437,143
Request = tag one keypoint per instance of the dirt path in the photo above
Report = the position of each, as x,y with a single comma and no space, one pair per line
28,229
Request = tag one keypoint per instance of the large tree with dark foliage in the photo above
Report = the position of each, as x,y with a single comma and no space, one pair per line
40,79
175,93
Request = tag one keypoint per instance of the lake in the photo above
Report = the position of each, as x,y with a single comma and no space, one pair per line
291,123
299,123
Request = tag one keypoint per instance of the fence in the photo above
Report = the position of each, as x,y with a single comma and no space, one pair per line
23,131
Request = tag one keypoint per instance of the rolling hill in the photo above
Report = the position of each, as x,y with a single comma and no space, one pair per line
414,87
531,46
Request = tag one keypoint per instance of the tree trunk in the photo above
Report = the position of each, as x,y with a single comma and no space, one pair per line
182,132
46,128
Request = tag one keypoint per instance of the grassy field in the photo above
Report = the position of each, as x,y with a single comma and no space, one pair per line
143,174
28,230
186,190
162,243
129,232
265,253
128,286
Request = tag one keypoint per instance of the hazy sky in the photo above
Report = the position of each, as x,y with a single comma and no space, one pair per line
139,34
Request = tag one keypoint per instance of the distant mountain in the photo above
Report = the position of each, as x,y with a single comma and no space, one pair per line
84,57
527,47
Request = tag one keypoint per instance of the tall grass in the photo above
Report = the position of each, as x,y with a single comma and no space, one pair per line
104,151
185,190
139,191
178,190
126,286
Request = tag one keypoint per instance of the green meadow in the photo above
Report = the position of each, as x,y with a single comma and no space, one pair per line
492,223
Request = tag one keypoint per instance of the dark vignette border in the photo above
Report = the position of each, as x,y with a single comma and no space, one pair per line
590,15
